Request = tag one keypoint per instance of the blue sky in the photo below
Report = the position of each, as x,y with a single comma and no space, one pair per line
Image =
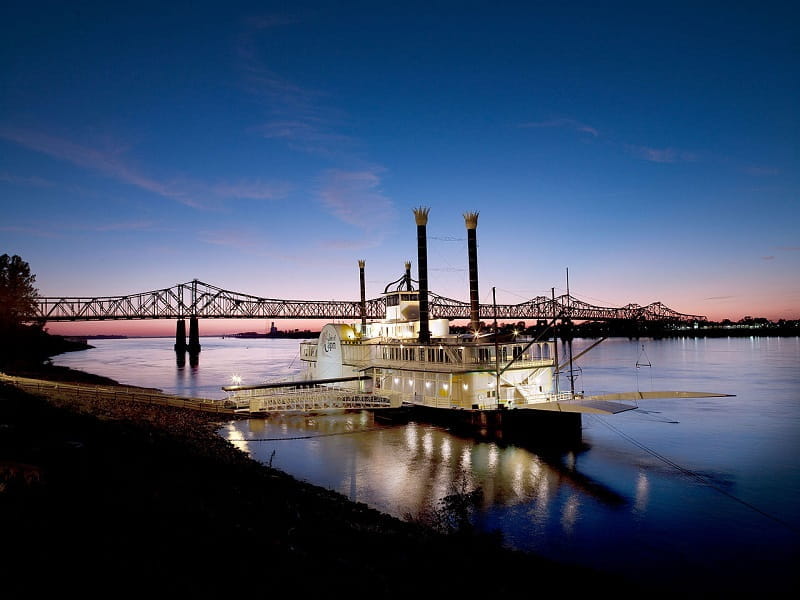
265,147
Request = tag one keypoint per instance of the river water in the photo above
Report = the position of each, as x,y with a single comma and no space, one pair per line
700,496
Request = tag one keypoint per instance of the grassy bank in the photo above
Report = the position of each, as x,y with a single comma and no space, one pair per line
104,497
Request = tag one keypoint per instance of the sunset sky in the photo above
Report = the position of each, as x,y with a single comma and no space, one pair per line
265,147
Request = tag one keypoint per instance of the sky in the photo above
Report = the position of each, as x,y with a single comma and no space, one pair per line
649,148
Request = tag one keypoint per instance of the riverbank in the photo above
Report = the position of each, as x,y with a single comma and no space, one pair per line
102,497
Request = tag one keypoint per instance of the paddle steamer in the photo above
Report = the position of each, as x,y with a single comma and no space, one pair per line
477,379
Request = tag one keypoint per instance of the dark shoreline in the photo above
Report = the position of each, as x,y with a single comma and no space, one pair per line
95,496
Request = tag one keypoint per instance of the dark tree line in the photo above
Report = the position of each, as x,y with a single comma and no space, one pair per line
17,293
23,341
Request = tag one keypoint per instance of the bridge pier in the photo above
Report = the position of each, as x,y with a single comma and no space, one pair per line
194,335
180,336
566,330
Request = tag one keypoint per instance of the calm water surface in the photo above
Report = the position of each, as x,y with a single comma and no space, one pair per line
695,494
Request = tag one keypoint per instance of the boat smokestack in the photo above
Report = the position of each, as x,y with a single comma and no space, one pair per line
408,276
421,217
361,264
471,221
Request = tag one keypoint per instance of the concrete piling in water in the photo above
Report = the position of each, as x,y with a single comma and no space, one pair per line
194,335
180,336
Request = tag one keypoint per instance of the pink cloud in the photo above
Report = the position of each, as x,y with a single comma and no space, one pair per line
355,198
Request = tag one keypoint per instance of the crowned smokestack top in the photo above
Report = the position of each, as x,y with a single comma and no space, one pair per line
361,264
421,217
408,275
471,221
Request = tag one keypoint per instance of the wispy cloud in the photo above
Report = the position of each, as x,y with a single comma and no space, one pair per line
33,231
648,153
355,197
720,298
762,171
42,183
563,123
446,238
296,114
123,226
60,229
89,158
308,137
305,120
767,258
347,244
661,155
233,238
789,248
112,164
27,181
253,190
244,241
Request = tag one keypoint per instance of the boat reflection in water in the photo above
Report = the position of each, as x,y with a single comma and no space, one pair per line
405,470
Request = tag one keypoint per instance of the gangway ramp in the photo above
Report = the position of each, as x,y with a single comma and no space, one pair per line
308,396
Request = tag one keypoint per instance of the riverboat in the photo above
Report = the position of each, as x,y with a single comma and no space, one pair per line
478,379
412,364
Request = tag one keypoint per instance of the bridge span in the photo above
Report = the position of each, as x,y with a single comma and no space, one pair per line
197,300
205,301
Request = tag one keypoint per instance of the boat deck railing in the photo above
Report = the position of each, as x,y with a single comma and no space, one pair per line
448,367
493,403
314,398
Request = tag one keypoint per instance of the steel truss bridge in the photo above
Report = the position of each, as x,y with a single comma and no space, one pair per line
196,299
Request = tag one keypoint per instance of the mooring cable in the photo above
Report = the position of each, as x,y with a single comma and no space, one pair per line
306,437
701,479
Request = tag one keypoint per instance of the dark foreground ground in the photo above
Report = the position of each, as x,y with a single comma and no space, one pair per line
99,499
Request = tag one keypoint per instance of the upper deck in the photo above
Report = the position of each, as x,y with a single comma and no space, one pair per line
446,355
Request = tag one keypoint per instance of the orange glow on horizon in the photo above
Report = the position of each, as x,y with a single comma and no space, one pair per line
167,327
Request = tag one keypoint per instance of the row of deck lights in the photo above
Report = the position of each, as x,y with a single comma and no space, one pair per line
445,386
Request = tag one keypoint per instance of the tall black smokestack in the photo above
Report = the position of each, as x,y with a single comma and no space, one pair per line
421,217
361,264
408,276
471,220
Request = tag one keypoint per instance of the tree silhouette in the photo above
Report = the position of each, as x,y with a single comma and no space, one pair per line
17,293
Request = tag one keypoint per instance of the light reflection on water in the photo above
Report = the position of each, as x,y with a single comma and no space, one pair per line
665,493
402,470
